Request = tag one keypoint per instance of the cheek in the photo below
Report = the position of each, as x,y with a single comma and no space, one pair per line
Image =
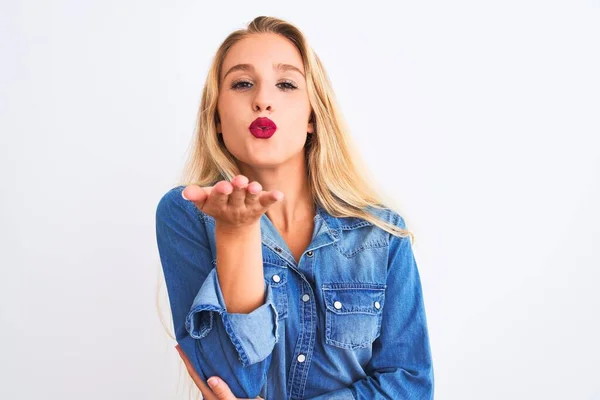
231,106
300,105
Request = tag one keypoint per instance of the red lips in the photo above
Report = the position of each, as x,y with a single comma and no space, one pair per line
262,128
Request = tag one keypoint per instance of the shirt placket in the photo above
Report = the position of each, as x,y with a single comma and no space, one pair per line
306,341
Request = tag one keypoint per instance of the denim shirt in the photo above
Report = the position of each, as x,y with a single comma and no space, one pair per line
345,322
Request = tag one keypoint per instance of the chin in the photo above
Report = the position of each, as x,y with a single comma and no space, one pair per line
268,159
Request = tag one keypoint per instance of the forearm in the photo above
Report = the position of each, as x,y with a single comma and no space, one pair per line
239,267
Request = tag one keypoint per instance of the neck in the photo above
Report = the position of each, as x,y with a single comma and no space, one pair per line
291,178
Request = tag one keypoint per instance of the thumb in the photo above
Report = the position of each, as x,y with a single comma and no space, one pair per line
220,389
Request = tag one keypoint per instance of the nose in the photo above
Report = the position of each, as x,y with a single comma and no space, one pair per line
263,100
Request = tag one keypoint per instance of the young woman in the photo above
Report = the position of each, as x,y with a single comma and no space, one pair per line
287,276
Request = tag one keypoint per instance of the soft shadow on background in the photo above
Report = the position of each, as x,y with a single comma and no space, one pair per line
480,119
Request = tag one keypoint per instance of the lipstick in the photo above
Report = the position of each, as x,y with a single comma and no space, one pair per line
262,128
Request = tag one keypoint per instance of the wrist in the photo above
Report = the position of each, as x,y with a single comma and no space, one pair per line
237,230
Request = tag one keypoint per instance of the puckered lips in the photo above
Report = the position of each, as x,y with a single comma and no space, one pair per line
262,128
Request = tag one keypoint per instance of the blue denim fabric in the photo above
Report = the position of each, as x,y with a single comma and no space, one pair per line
346,322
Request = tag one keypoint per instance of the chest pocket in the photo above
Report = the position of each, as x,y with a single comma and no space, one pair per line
276,277
353,313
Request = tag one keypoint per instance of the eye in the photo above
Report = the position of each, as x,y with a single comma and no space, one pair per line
240,85
287,86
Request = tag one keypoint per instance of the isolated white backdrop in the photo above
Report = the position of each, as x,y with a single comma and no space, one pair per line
480,118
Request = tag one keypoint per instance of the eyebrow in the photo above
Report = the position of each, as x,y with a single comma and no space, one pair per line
250,68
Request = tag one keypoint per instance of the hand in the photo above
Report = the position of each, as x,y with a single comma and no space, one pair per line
232,204
219,392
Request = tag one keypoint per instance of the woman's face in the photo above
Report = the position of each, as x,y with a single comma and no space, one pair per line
263,76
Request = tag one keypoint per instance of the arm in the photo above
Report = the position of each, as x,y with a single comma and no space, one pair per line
239,267
401,366
217,342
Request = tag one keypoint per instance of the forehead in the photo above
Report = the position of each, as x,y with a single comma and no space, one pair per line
262,51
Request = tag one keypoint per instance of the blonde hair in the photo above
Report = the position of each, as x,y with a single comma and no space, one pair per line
335,170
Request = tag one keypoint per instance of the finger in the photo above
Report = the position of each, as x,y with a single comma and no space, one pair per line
238,196
252,193
220,193
267,199
220,389
195,194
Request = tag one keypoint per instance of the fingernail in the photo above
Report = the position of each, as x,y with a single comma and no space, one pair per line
213,382
182,195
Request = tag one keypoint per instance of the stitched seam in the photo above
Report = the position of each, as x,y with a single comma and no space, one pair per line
369,245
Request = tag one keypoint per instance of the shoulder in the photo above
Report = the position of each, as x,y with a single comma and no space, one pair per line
172,198
388,215
382,213
394,218
172,204
358,233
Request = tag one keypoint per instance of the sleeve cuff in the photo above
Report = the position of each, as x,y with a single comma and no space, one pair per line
254,334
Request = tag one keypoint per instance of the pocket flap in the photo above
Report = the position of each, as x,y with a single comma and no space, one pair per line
344,298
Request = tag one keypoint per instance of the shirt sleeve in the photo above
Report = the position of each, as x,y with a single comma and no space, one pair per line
401,365
235,347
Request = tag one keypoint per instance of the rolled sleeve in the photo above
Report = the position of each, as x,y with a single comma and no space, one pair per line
253,334
188,262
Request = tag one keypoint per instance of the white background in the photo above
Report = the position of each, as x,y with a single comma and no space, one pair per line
482,119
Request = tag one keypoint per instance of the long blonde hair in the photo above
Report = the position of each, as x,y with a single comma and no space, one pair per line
334,168
335,171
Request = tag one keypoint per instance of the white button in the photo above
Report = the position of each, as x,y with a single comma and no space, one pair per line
309,253
301,358
305,298
377,305
337,305
276,278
